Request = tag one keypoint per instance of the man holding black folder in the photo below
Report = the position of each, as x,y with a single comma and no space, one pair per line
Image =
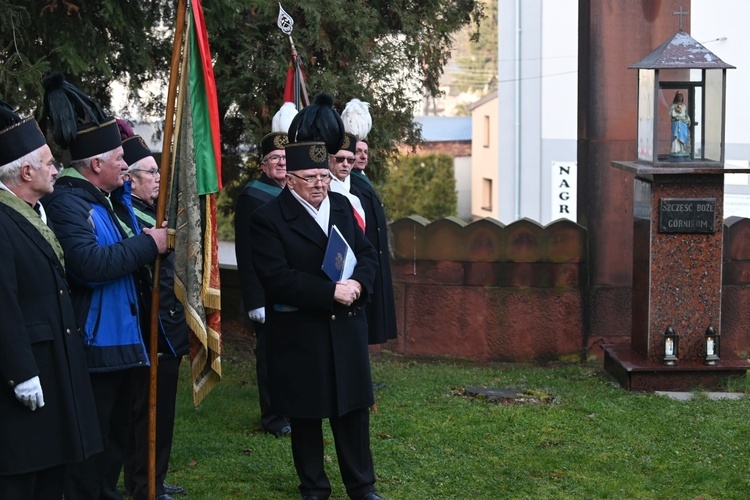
317,348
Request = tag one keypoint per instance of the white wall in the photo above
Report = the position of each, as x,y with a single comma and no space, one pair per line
722,27
537,103
462,174
560,69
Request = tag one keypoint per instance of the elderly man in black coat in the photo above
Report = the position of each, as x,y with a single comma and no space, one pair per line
47,413
317,332
257,193
381,310
174,340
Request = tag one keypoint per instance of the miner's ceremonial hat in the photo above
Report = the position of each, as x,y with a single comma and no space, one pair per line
78,123
18,136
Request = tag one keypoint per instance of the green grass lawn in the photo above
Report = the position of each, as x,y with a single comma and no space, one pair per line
590,439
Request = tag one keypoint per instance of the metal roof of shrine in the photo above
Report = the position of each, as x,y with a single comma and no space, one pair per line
681,52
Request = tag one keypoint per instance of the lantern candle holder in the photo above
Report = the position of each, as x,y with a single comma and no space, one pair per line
713,341
671,346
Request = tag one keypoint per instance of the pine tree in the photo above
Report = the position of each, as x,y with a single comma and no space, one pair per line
389,53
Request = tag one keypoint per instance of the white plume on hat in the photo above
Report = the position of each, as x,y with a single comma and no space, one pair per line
357,119
283,117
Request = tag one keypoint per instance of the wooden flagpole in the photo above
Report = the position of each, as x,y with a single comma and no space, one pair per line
165,168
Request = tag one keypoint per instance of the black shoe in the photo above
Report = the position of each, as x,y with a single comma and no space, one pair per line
174,490
370,495
283,432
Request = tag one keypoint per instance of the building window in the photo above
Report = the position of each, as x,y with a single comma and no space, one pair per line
486,131
487,194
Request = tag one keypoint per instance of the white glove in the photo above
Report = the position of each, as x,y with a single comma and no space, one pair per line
29,393
258,314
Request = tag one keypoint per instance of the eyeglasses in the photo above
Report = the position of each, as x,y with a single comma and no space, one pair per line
311,181
153,172
275,158
342,159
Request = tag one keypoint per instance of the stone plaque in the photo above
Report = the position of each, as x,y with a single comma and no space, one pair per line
687,215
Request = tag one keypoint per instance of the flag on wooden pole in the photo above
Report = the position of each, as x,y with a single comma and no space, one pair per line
195,181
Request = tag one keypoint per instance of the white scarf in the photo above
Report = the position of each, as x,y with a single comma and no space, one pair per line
320,214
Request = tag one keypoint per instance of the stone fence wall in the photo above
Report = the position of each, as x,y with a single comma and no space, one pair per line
518,293
486,291
490,292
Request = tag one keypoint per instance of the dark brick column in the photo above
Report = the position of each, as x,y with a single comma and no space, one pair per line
612,36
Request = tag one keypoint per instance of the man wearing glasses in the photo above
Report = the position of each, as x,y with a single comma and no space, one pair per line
340,166
255,194
143,174
318,357
381,310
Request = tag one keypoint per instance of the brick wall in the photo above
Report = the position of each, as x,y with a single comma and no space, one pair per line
489,292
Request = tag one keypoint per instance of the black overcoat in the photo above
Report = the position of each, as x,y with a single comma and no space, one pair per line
318,358
38,336
248,201
381,309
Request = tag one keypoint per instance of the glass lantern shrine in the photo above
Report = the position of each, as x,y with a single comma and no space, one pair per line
681,104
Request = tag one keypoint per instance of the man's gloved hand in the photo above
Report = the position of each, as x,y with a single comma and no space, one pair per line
258,314
29,393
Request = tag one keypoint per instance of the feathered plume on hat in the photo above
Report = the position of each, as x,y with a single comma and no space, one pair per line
283,117
318,122
18,136
78,123
125,129
357,119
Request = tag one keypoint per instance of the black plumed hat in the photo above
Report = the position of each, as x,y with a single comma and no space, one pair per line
319,122
18,136
78,123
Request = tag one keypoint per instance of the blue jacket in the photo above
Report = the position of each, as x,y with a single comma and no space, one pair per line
105,256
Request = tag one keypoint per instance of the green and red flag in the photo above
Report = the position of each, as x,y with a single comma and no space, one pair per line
195,182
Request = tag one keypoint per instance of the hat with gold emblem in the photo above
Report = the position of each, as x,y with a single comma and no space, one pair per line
18,136
306,155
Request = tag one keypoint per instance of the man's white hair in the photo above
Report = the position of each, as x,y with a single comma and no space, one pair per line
137,165
10,171
86,162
